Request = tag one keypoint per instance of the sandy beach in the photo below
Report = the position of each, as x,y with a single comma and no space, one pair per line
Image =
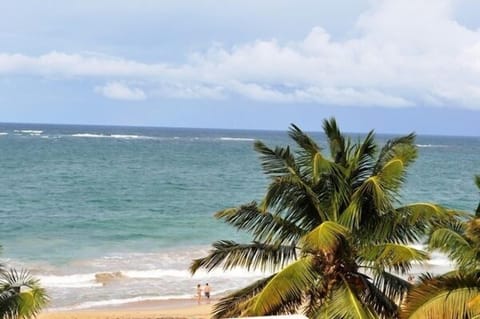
171,309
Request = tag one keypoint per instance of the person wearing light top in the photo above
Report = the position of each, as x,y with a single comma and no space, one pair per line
199,293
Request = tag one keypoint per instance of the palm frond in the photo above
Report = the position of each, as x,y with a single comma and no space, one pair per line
346,304
391,256
443,297
298,201
303,140
368,202
361,162
407,224
472,231
337,142
391,174
392,286
263,225
427,212
280,163
277,162
326,237
403,148
20,295
377,299
232,305
230,254
308,148
454,244
288,284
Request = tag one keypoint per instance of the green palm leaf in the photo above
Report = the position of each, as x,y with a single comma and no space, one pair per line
276,162
443,297
326,237
392,286
376,299
361,162
402,148
233,304
345,304
454,244
308,149
290,196
263,225
339,145
391,256
256,255
20,295
290,283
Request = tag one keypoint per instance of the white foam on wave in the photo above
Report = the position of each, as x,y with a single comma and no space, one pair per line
132,136
430,145
116,302
118,136
31,132
88,135
94,279
3,133
69,281
240,139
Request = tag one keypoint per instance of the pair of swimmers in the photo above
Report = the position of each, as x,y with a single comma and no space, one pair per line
206,290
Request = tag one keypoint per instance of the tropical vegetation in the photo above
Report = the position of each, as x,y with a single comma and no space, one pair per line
330,230
21,296
455,294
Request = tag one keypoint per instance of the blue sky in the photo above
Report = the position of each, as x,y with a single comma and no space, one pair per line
394,66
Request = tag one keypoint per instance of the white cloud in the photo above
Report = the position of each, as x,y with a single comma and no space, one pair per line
119,91
404,53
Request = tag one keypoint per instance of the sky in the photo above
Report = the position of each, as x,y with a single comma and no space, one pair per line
395,66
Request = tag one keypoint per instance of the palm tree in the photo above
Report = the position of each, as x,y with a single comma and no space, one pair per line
329,228
20,294
455,294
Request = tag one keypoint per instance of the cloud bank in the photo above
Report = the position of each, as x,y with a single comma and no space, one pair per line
402,54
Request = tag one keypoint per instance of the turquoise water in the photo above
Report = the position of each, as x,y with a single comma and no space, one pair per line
137,203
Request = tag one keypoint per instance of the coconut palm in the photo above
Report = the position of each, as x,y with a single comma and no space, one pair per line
20,294
455,294
329,228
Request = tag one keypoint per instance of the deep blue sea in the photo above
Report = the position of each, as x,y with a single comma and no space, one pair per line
137,203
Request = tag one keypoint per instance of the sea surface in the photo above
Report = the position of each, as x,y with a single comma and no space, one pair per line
110,215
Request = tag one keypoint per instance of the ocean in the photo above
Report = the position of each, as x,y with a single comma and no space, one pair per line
106,215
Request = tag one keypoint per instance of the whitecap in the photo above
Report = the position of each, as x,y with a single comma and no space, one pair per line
69,281
117,136
430,145
31,132
123,136
88,135
240,139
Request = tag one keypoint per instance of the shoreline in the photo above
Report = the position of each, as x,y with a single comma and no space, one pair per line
162,309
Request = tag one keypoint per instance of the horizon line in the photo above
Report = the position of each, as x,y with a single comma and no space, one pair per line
224,128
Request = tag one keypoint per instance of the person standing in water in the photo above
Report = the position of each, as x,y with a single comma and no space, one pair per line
207,290
199,293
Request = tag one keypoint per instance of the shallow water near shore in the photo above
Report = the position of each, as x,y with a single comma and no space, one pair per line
110,215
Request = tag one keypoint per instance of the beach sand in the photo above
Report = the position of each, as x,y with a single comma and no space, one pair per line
169,309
